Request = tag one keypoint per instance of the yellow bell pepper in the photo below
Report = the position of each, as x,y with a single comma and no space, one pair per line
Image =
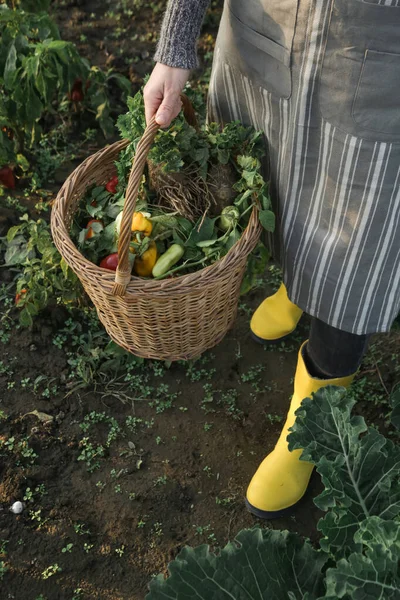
140,222
144,263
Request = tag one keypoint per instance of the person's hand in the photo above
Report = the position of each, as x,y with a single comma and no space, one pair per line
162,93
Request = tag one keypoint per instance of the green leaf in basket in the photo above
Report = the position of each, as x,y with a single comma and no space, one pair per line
204,233
82,237
206,243
97,191
113,211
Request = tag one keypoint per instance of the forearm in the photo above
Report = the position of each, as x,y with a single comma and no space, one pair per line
179,32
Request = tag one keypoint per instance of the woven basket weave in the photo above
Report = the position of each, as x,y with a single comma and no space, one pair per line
169,319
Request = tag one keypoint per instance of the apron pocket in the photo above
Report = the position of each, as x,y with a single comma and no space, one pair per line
259,42
261,58
376,103
360,74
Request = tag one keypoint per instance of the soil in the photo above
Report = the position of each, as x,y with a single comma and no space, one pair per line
190,458
185,470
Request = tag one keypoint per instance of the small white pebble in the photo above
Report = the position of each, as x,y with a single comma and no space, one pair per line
17,508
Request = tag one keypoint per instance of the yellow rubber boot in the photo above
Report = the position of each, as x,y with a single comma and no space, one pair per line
275,318
282,479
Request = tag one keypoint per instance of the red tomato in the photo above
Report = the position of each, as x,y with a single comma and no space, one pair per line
92,231
110,262
111,186
7,177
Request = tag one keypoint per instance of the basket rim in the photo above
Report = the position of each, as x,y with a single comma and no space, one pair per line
136,285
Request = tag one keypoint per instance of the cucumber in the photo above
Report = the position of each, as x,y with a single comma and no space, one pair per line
168,260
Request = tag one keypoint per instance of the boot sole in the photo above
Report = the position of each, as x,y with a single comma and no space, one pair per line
270,515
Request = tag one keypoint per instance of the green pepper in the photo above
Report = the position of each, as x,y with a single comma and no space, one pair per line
168,260
229,218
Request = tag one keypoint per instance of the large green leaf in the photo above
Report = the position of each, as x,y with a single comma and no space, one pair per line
258,565
359,467
18,251
267,219
371,575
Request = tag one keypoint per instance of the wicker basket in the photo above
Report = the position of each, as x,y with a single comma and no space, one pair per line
170,319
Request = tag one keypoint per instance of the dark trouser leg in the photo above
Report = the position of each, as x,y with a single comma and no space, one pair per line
331,352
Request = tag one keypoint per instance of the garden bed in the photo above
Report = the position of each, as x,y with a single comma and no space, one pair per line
137,458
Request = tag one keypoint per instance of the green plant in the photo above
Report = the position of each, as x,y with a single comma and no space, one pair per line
44,276
98,99
359,551
81,529
89,452
42,75
3,569
90,352
20,448
36,68
50,571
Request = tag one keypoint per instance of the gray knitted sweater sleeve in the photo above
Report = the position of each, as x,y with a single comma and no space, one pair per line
179,32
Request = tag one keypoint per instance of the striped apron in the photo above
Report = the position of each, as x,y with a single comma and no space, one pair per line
321,78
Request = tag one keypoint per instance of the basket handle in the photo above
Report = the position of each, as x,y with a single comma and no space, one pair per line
123,272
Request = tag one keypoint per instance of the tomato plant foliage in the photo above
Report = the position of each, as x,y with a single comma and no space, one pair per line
42,273
37,72
360,547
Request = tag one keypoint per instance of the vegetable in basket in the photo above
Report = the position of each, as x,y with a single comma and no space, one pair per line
140,222
229,218
168,260
111,186
145,259
110,262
